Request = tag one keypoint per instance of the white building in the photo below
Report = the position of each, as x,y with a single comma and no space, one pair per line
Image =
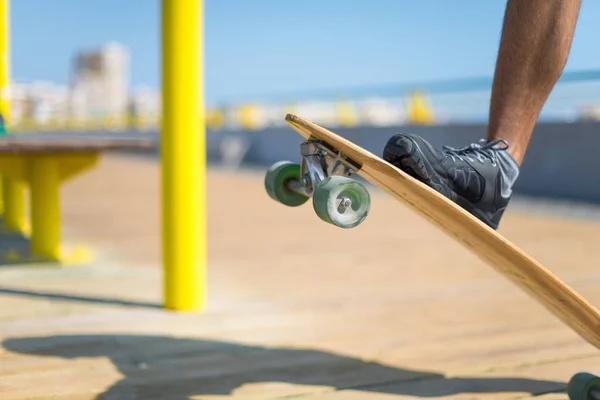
100,82
39,102
146,103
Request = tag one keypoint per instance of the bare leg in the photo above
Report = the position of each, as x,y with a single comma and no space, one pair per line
536,41
535,44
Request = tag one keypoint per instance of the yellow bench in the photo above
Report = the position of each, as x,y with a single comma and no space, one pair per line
42,163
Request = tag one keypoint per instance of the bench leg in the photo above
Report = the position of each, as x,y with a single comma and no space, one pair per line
13,195
45,207
43,174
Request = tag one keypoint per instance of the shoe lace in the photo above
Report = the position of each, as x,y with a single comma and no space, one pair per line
479,151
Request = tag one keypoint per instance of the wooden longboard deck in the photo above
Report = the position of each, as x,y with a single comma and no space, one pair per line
566,304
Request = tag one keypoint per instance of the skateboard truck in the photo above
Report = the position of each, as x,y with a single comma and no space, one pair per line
323,175
318,162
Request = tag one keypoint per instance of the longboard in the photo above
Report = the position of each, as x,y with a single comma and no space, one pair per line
328,161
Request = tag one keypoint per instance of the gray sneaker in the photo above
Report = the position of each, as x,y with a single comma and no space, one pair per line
478,177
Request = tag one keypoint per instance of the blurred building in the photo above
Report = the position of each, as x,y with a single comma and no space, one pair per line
374,111
589,112
98,96
144,107
100,83
39,102
98,91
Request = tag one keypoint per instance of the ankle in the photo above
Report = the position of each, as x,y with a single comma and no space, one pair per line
515,148
517,155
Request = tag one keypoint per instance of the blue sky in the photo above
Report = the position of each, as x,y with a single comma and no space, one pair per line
270,47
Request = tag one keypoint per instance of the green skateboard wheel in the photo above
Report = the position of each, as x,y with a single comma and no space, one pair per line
341,201
276,179
584,386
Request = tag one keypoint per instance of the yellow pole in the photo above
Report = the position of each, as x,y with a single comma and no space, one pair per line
183,156
4,60
4,72
45,207
12,192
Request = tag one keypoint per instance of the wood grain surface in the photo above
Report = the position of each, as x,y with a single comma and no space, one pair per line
298,309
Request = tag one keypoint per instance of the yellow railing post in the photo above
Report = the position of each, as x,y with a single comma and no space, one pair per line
419,110
12,192
183,157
